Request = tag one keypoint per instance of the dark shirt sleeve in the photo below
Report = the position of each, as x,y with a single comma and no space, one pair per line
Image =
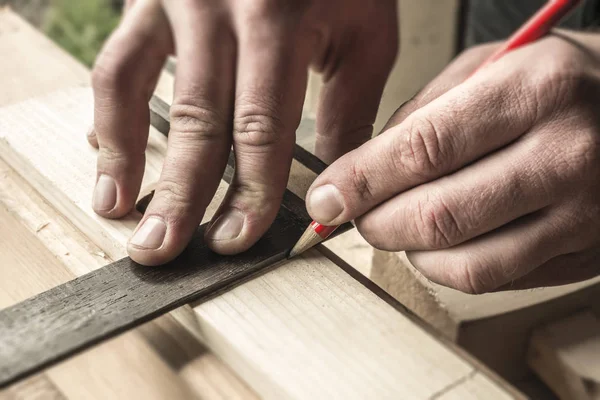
490,20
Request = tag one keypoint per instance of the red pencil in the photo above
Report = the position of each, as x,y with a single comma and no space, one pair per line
535,28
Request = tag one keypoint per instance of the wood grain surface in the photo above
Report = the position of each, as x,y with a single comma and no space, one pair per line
70,317
105,302
305,328
128,366
271,329
101,304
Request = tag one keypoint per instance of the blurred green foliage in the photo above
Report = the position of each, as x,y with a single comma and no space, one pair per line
81,26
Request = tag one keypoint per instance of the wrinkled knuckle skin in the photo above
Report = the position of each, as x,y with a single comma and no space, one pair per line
584,159
436,225
197,122
558,81
471,278
422,151
174,194
257,125
255,198
360,183
109,76
109,156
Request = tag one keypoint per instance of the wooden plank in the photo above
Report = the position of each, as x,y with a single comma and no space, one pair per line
120,305
30,52
312,312
69,317
195,366
426,358
335,296
474,386
38,387
473,321
566,356
27,268
428,31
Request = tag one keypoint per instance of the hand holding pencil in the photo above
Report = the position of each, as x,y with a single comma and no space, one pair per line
490,184
537,27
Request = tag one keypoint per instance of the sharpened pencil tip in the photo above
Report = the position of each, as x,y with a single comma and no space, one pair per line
309,239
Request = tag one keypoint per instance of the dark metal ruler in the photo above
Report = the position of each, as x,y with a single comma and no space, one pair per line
71,317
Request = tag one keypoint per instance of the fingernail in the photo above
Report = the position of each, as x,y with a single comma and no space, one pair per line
228,226
105,194
91,132
325,203
151,234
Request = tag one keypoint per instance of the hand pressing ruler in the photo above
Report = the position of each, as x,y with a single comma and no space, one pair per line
71,317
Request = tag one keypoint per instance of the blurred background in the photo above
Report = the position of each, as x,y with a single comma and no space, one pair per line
428,40
79,27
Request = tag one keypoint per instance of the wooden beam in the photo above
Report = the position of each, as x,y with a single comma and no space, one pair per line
337,326
25,259
474,321
49,251
271,329
203,373
566,356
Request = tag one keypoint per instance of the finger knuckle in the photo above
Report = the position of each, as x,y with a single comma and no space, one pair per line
256,199
559,80
583,156
112,156
109,75
423,149
436,224
471,277
197,122
174,193
257,124
360,183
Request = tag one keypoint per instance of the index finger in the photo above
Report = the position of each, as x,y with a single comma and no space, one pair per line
464,124
270,85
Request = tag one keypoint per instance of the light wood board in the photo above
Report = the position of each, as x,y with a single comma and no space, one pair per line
203,373
337,326
505,318
342,325
566,356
